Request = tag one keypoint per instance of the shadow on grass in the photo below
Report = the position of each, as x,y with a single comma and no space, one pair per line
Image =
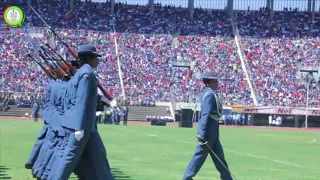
119,175
3,173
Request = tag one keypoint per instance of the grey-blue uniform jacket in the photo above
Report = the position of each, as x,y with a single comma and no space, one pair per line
211,113
47,106
57,98
81,92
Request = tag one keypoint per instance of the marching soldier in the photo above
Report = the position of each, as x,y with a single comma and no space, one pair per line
40,169
55,133
50,141
80,122
84,169
208,132
41,137
54,142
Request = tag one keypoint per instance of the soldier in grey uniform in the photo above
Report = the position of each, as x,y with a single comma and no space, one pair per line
208,131
82,137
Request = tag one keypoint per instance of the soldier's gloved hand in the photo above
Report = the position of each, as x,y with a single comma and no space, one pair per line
113,103
79,135
201,140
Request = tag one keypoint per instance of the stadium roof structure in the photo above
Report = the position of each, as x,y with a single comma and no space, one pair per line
274,5
278,5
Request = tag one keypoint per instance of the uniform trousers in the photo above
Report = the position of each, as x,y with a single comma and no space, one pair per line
84,169
200,156
70,151
51,153
37,169
36,148
97,155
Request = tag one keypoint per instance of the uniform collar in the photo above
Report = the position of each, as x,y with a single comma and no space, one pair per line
88,66
209,89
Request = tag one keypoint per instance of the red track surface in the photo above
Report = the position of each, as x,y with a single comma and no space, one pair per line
176,124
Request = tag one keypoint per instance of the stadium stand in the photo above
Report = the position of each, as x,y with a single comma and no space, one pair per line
274,48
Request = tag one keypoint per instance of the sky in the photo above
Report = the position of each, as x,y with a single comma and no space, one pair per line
221,4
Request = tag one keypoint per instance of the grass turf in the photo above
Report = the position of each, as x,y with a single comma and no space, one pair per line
163,153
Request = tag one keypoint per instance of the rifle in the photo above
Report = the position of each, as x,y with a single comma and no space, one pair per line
60,67
48,72
71,51
62,63
66,64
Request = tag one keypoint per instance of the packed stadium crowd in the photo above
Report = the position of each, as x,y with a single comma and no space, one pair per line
148,45
21,100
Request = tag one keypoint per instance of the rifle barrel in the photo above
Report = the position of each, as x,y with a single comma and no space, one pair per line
71,51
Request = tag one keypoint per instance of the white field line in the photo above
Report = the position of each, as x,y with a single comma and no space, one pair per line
280,170
276,135
264,158
236,152
246,154
290,137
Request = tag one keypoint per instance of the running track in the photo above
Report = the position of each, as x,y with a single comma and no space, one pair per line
176,124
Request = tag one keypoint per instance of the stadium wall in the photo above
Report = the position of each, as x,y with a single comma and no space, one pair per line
287,120
258,116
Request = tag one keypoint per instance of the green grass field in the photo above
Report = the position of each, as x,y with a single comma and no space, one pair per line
163,153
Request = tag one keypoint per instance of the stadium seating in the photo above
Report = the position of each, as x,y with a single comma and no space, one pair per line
148,46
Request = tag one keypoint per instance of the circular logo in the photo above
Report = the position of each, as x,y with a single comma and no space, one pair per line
13,16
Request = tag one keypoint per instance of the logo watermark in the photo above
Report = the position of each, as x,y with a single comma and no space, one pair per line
13,16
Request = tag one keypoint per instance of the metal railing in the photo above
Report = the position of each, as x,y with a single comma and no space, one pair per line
278,5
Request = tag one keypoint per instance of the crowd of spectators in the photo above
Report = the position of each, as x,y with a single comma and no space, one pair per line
21,100
148,45
276,49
